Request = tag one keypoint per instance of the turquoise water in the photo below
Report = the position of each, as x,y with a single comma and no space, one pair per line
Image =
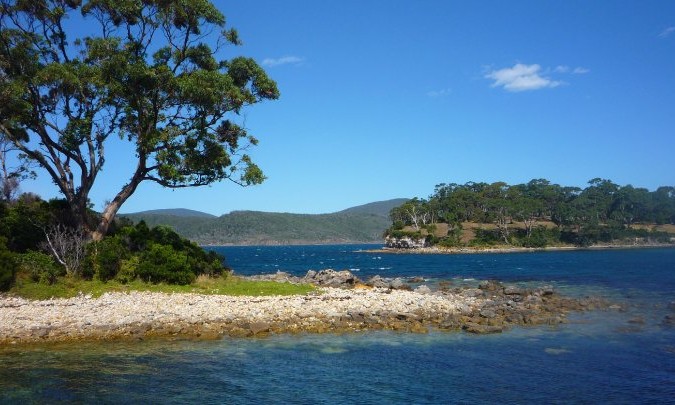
622,355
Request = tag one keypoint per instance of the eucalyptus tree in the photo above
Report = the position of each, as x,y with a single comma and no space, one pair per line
415,213
498,200
663,205
146,72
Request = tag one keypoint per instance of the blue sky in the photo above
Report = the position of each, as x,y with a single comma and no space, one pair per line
386,99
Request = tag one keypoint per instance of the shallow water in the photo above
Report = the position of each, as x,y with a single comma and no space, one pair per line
622,355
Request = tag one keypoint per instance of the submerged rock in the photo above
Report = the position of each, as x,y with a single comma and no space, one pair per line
482,329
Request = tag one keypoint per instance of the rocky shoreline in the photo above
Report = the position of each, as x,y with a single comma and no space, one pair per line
491,308
478,250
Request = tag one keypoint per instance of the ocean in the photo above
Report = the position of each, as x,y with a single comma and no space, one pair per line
625,354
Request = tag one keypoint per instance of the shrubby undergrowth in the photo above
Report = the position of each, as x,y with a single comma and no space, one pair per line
127,253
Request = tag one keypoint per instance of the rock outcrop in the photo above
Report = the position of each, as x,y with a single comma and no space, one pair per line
405,242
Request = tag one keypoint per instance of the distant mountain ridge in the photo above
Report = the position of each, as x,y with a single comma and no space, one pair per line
363,223
178,212
380,208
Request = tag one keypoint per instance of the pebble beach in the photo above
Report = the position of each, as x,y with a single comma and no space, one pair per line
140,315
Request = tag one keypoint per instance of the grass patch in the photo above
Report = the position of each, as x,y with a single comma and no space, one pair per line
229,285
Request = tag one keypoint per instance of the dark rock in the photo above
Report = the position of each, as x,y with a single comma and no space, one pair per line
378,282
490,285
405,242
357,317
515,318
513,290
259,327
637,320
332,278
444,285
416,280
488,313
482,329
545,290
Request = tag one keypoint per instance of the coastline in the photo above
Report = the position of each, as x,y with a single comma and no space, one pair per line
514,249
492,308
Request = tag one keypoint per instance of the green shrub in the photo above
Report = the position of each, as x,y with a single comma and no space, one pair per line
161,263
128,270
485,237
164,235
41,267
7,266
396,233
105,257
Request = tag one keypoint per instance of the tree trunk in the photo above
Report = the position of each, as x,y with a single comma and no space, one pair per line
111,209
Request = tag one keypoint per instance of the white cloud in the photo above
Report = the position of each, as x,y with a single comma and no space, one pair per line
666,33
284,60
439,93
580,70
521,77
561,69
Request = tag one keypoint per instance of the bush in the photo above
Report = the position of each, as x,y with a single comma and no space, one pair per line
161,263
128,270
7,266
536,240
485,237
395,233
41,267
105,257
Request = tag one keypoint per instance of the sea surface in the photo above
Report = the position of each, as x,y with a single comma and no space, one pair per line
624,355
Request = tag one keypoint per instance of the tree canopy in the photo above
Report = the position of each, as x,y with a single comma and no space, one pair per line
602,207
147,73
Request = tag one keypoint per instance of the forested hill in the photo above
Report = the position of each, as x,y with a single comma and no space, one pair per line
379,208
540,213
176,212
364,223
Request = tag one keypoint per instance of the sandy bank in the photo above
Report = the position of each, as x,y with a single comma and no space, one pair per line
139,315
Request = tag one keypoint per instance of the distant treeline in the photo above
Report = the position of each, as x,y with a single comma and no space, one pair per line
601,212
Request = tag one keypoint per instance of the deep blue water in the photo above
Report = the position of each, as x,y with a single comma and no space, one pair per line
613,356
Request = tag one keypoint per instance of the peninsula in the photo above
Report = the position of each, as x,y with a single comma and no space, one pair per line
353,306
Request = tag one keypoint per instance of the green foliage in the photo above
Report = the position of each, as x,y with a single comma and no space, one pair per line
71,287
155,255
602,212
453,238
486,237
172,100
400,233
22,222
7,266
41,267
128,270
537,239
105,257
161,263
